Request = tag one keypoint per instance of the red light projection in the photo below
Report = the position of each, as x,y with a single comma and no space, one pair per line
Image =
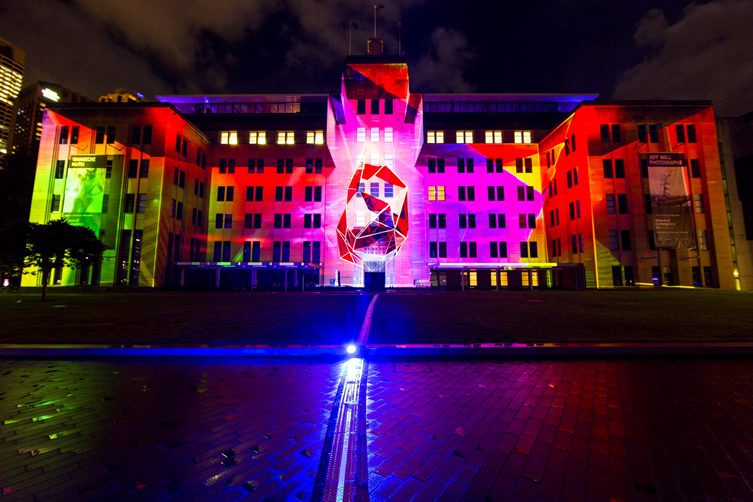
374,224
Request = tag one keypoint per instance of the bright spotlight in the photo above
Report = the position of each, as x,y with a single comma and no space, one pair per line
351,349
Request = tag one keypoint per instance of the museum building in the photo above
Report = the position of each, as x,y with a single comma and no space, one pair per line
377,185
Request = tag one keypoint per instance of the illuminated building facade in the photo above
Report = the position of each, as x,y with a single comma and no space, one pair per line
379,185
11,75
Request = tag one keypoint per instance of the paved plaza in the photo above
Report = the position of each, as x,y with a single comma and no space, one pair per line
198,429
469,424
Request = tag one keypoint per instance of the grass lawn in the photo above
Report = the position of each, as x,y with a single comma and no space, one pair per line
420,316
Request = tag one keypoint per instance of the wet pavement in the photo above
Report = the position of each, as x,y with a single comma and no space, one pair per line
208,429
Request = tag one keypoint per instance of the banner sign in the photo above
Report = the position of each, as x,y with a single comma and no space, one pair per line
84,191
670,202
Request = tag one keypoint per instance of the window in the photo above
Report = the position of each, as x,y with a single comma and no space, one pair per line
703,241
465,165
312,220
695,168
572,142
610,204
110,135
467,220
698,202
225,193
374,135
375,107
388,106
63,135
130,202
569,179
608,170
622,203
59,169
388,135
624,238
492,136
285,138
524,249
436,193
99,135
575,176
468,250
610,133
435,137
254,193
144,168
648,133
522,137
361,135
141,205
521,193
55,203
256,165
312,193
518,165
257,138
178,142
146,137
315,137
619,168
464,137
105,203
228,137
388,191
692,134
614,241
467,193
361,107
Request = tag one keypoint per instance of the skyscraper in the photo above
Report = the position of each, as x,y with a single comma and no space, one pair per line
11,74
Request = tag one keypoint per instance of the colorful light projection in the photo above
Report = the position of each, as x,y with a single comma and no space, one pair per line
374,225
84,191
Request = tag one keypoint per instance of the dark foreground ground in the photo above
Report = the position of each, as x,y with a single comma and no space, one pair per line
198,429
418,316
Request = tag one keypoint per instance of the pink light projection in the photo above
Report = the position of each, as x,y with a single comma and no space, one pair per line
374,225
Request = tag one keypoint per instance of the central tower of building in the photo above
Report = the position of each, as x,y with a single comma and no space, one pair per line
374,136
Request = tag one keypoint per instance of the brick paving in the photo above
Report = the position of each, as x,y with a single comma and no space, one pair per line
620,429
156,430
572,430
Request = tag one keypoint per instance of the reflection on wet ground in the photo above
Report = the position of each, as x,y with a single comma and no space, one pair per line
460,430
160,429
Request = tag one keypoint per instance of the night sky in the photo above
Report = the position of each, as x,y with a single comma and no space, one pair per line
621,49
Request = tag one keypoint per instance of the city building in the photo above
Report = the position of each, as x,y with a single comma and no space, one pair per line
11,75
30,105
379,185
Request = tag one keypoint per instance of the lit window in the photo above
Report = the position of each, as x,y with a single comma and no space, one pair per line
464,137
360,219
492,136
229,137
375,135
522,137
388,135
315,137
374,158
432,193
361,134
435,137
257,137
389,160
285,138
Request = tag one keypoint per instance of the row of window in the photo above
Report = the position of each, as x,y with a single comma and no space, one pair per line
374,106
468,136
312,137
312,251
647,133
279,220
257,165
496,249
375,135
226,193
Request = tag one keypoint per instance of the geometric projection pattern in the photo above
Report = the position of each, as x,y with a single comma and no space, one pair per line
374,224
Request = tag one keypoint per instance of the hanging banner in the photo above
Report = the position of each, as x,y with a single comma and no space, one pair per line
84,191
670,203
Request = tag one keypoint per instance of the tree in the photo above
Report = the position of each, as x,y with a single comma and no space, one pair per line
57,244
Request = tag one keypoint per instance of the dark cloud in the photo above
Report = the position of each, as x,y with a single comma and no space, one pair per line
442,69
706,54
